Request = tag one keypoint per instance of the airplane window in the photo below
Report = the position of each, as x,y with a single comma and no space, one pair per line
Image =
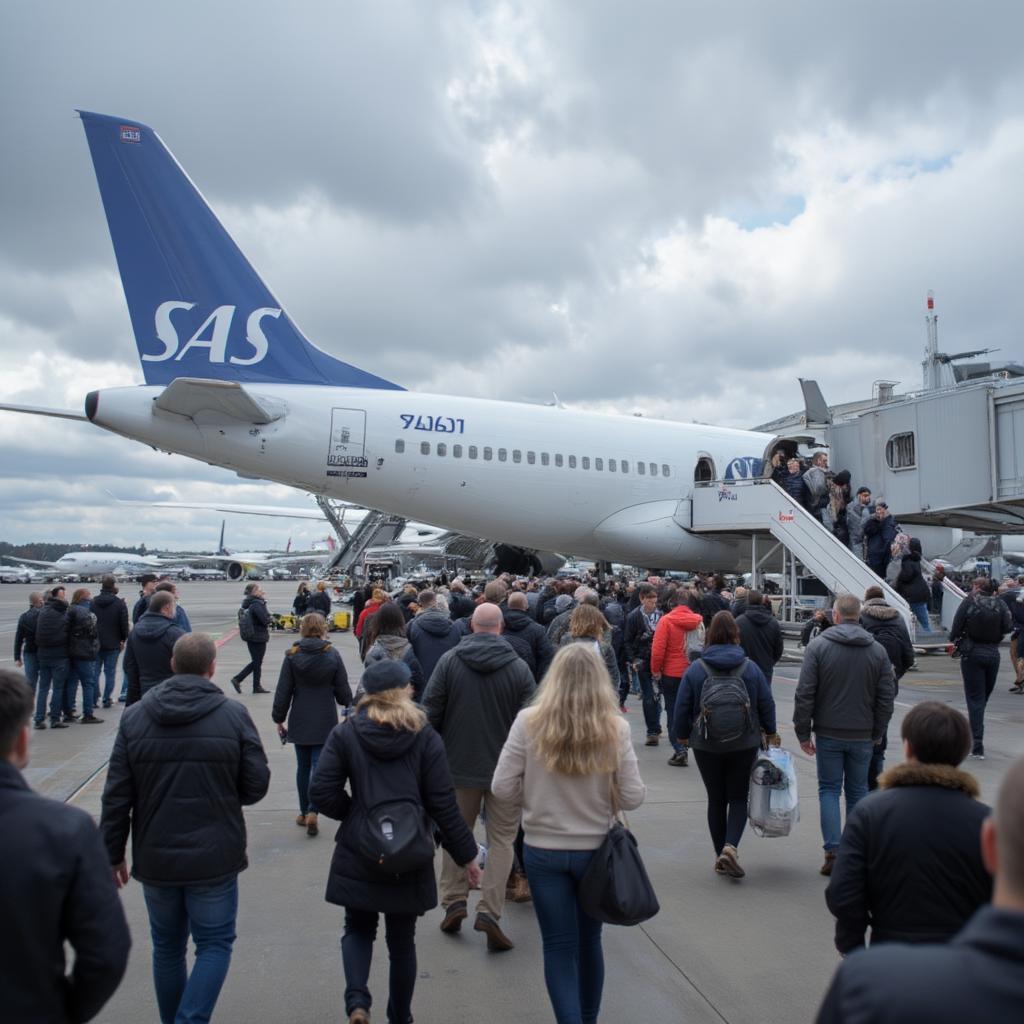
472,451
558,460
424,447
457,450
399,446
612,465
585,461
625,466
517,455
531,458
488,455
640,468
502,455
442,448
664,470
654,469
598,463
545,459
572,461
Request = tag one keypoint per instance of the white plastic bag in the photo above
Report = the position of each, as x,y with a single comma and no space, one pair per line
772,805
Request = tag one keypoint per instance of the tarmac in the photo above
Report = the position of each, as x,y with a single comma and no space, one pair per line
754,951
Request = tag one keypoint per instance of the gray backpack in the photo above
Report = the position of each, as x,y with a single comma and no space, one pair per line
725,711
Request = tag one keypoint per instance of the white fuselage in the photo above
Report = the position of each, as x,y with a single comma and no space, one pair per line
536,476
100,563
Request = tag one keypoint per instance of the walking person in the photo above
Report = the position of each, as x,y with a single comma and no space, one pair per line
431,632
724,706
53,657
84,648
978,628
148,654
588,625
185,761
911,584
879,532
638,638
385,638
386,752
320,601
25,653
112,628
679,630
312,685
760,634
569,765
254,629
300,603
845,698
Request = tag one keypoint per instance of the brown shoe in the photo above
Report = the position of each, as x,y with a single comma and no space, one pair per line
518,888
730,860
301,821
454,914
359,1016
651,741
830,862
497,940
311,826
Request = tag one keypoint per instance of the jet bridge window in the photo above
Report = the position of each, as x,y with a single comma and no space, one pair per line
900,451
424,447
442,448
399,446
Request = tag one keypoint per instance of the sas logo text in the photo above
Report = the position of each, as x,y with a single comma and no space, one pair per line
213,334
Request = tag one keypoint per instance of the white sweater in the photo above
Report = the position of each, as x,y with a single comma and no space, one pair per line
564,812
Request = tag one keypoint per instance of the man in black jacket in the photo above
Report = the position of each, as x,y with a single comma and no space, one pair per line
431,633
529,639
254,629
25,640
760,634
978,975
147,658
55,887
185,762
54,660
112,626
472,699
148,582
637,638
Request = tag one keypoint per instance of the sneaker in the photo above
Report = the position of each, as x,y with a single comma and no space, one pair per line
107,704
58,725
978,755
830,861
40,725
312,829
720,868
497,940
1017,688
651,741
680,759
71,716
731,861
359,1016
454,914
91,720
301,821
237,684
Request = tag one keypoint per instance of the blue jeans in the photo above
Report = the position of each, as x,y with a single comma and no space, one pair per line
669,692
209,912
55,674
842,766
573,958
979,670
106,665
30,662
83,672
306,759
920,610
651,703
357,954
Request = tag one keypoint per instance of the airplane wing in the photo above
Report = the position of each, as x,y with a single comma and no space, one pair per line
28,561
275,511
37,410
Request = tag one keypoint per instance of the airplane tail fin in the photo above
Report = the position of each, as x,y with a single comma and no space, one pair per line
197,306
220,546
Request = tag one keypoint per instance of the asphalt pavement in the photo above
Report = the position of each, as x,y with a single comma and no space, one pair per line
755,951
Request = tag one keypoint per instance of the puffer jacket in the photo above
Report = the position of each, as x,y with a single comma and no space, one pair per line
397,648
669,646
185,762
886,625
83,637
310,687
52,631
394,764
111,620
147,655
846,687
431,633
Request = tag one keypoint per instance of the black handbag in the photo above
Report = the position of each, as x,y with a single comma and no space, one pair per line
615,887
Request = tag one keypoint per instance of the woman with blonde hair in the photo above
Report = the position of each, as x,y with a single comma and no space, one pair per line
387,753
312,684
569,763
588,625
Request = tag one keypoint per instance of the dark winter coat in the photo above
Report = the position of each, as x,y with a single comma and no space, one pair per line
910,582
300,604
711,604
111,620
52,631
793,484
761,637
603,648
878,537
83,639
637,637
460,606
886,625
814,627
431,633
312,684
977,976
25,633
147,655
909,866
472,700
725,658
139,608
982,618
846,687
616,617
185,762
401,765
319,601
398,648
55,886
529,639
260,618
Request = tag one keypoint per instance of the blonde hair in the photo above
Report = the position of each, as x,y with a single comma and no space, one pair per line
378,595
313,624
587,620
393,707
574,721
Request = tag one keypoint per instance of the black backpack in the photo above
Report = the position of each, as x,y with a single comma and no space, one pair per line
393,836
725,711
246,627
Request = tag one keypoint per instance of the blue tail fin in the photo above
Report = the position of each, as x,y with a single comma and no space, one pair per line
198,308
221,550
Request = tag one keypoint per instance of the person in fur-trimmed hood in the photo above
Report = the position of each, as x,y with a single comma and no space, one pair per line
909,864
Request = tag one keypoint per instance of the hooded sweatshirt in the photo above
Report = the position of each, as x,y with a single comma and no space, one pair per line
185,761
431,633
846,688
886,625
472,699
147,656
761,637
397,648
670,644
111,620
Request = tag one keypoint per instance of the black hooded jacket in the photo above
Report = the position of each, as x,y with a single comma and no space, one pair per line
431,634
472,700
312,683
52,630
25,633
401,765
761,637
260,618
83,638
111,620
886,625
185,762
910,582
147,656
529,639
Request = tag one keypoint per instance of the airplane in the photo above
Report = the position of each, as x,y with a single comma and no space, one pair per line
17,574
231,381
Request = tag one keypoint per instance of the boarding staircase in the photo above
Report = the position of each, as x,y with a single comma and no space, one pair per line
375,528
752,507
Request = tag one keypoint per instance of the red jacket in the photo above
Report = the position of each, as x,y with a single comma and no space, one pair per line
668,649
368,609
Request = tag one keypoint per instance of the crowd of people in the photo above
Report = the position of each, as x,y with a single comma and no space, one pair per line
501,706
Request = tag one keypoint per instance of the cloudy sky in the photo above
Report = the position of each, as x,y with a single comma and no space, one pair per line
672,207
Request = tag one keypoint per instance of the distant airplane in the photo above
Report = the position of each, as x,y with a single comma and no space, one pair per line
16,574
